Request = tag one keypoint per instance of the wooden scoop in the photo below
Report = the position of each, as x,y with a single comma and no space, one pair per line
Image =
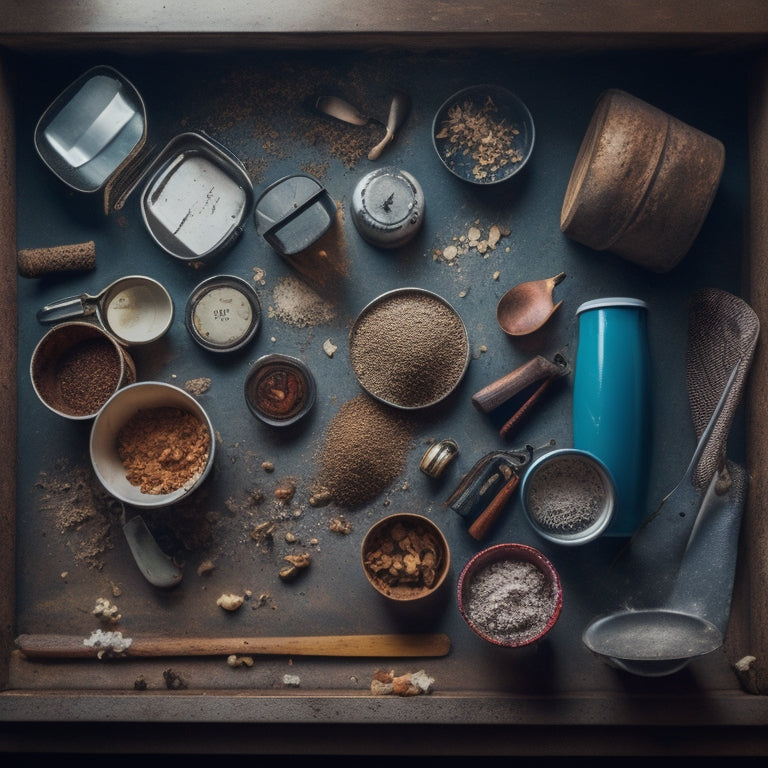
526,307
398,111
78,647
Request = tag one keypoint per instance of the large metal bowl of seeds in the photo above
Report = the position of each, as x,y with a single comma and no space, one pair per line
152,444
483,134
409,348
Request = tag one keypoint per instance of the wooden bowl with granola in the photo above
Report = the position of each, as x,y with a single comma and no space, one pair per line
405,557
483,134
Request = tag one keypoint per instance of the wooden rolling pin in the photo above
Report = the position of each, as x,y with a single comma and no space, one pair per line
75,647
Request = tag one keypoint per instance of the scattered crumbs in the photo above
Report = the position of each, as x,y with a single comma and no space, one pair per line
230,602
410,684
106,611
474,240
197,386
173,680
107,642
316,169
340,525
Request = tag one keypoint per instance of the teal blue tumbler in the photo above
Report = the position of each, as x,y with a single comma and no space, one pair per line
612,400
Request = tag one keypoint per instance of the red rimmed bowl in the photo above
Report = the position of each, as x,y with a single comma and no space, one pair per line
510,595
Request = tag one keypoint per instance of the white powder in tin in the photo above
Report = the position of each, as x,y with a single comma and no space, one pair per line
510,601
566,495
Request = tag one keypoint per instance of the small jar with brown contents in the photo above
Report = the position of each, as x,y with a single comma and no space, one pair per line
76,367
279,390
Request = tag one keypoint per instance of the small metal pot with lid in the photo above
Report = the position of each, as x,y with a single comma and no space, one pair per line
388,207
93,136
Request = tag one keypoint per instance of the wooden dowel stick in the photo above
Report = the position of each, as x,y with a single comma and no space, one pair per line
74,646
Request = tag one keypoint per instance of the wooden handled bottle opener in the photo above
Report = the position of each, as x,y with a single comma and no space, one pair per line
483,493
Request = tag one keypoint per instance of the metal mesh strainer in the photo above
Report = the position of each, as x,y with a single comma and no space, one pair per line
722,331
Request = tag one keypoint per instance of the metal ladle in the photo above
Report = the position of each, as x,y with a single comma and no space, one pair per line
660,641
527,306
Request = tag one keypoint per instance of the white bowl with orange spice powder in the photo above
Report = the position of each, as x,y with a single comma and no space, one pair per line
152,444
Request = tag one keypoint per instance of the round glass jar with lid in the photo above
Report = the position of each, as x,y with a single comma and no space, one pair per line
388,207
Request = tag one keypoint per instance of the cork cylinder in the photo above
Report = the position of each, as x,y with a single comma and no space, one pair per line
642,184
37,262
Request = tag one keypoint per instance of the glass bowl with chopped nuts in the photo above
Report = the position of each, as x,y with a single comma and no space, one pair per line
483,134
405,557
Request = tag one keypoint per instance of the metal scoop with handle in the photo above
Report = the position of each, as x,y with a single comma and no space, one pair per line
691,622
135,309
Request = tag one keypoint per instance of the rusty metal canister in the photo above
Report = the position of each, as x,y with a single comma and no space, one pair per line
642,183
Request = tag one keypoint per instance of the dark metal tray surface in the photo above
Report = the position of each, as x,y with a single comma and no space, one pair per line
259,106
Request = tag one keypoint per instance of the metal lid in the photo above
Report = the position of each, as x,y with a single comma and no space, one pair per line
388,207
613,301
223,313
91,128
195,204
293,212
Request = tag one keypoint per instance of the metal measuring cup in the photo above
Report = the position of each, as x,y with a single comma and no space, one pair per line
134,309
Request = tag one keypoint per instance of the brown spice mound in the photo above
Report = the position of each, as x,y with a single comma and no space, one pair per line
409,350
478,131
163,449
365,449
